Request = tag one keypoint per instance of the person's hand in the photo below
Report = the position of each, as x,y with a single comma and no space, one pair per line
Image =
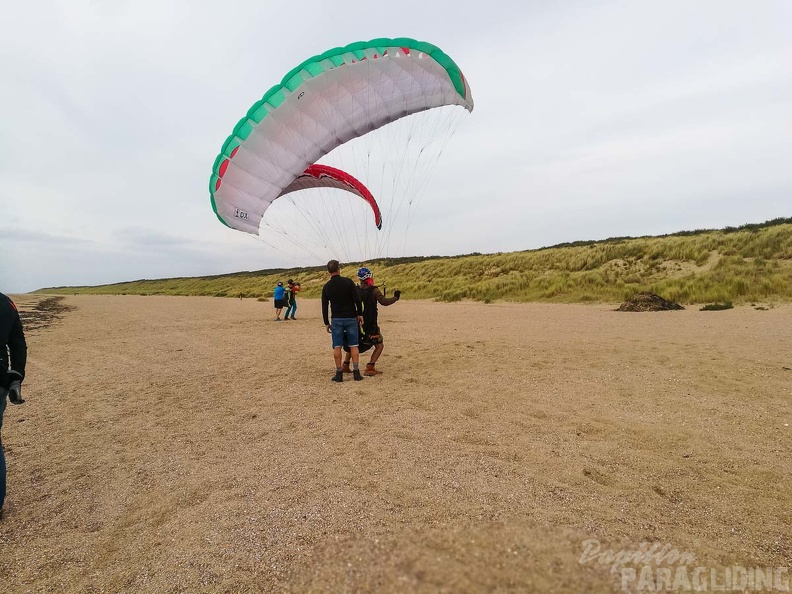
360,320
15,387
327,326
397,294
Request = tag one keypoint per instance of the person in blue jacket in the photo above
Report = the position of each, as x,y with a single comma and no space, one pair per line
279,297
12,371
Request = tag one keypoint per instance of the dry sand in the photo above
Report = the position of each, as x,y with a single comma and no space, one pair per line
176,444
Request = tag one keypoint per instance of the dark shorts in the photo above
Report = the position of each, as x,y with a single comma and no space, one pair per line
279,303
375,338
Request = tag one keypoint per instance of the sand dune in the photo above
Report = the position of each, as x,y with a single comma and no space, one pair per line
192,445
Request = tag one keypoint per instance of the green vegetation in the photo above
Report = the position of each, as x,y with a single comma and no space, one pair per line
752,263
718,306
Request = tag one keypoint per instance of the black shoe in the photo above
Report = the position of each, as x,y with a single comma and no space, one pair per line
339,377
356,375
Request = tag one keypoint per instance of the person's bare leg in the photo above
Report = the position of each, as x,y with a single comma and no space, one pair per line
377,352
355,352
370,369
337,357
338,377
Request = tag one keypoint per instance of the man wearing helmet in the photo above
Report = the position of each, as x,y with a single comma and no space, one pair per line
279,299
370,296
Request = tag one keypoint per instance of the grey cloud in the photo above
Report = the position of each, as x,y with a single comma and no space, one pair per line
146,238
15,235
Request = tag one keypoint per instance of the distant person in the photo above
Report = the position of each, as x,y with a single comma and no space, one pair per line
370,296
12,371
291,298
342,297
279,297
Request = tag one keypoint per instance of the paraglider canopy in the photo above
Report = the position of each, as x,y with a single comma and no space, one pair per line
321,104
324,176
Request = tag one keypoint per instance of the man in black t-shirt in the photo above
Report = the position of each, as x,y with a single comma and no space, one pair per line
341,295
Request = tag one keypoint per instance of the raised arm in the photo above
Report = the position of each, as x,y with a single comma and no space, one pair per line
382,300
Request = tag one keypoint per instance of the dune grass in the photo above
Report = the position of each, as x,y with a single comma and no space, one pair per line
747,264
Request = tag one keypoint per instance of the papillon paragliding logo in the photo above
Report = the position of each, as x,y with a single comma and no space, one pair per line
322,105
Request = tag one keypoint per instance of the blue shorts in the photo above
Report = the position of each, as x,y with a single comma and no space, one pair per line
341,326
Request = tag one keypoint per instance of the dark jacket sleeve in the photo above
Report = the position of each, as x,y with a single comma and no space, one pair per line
325,303
13,338
381,299
18,348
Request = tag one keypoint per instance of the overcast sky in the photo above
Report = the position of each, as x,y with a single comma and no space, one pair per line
593,119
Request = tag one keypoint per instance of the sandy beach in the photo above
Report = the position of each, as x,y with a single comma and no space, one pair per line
190,444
